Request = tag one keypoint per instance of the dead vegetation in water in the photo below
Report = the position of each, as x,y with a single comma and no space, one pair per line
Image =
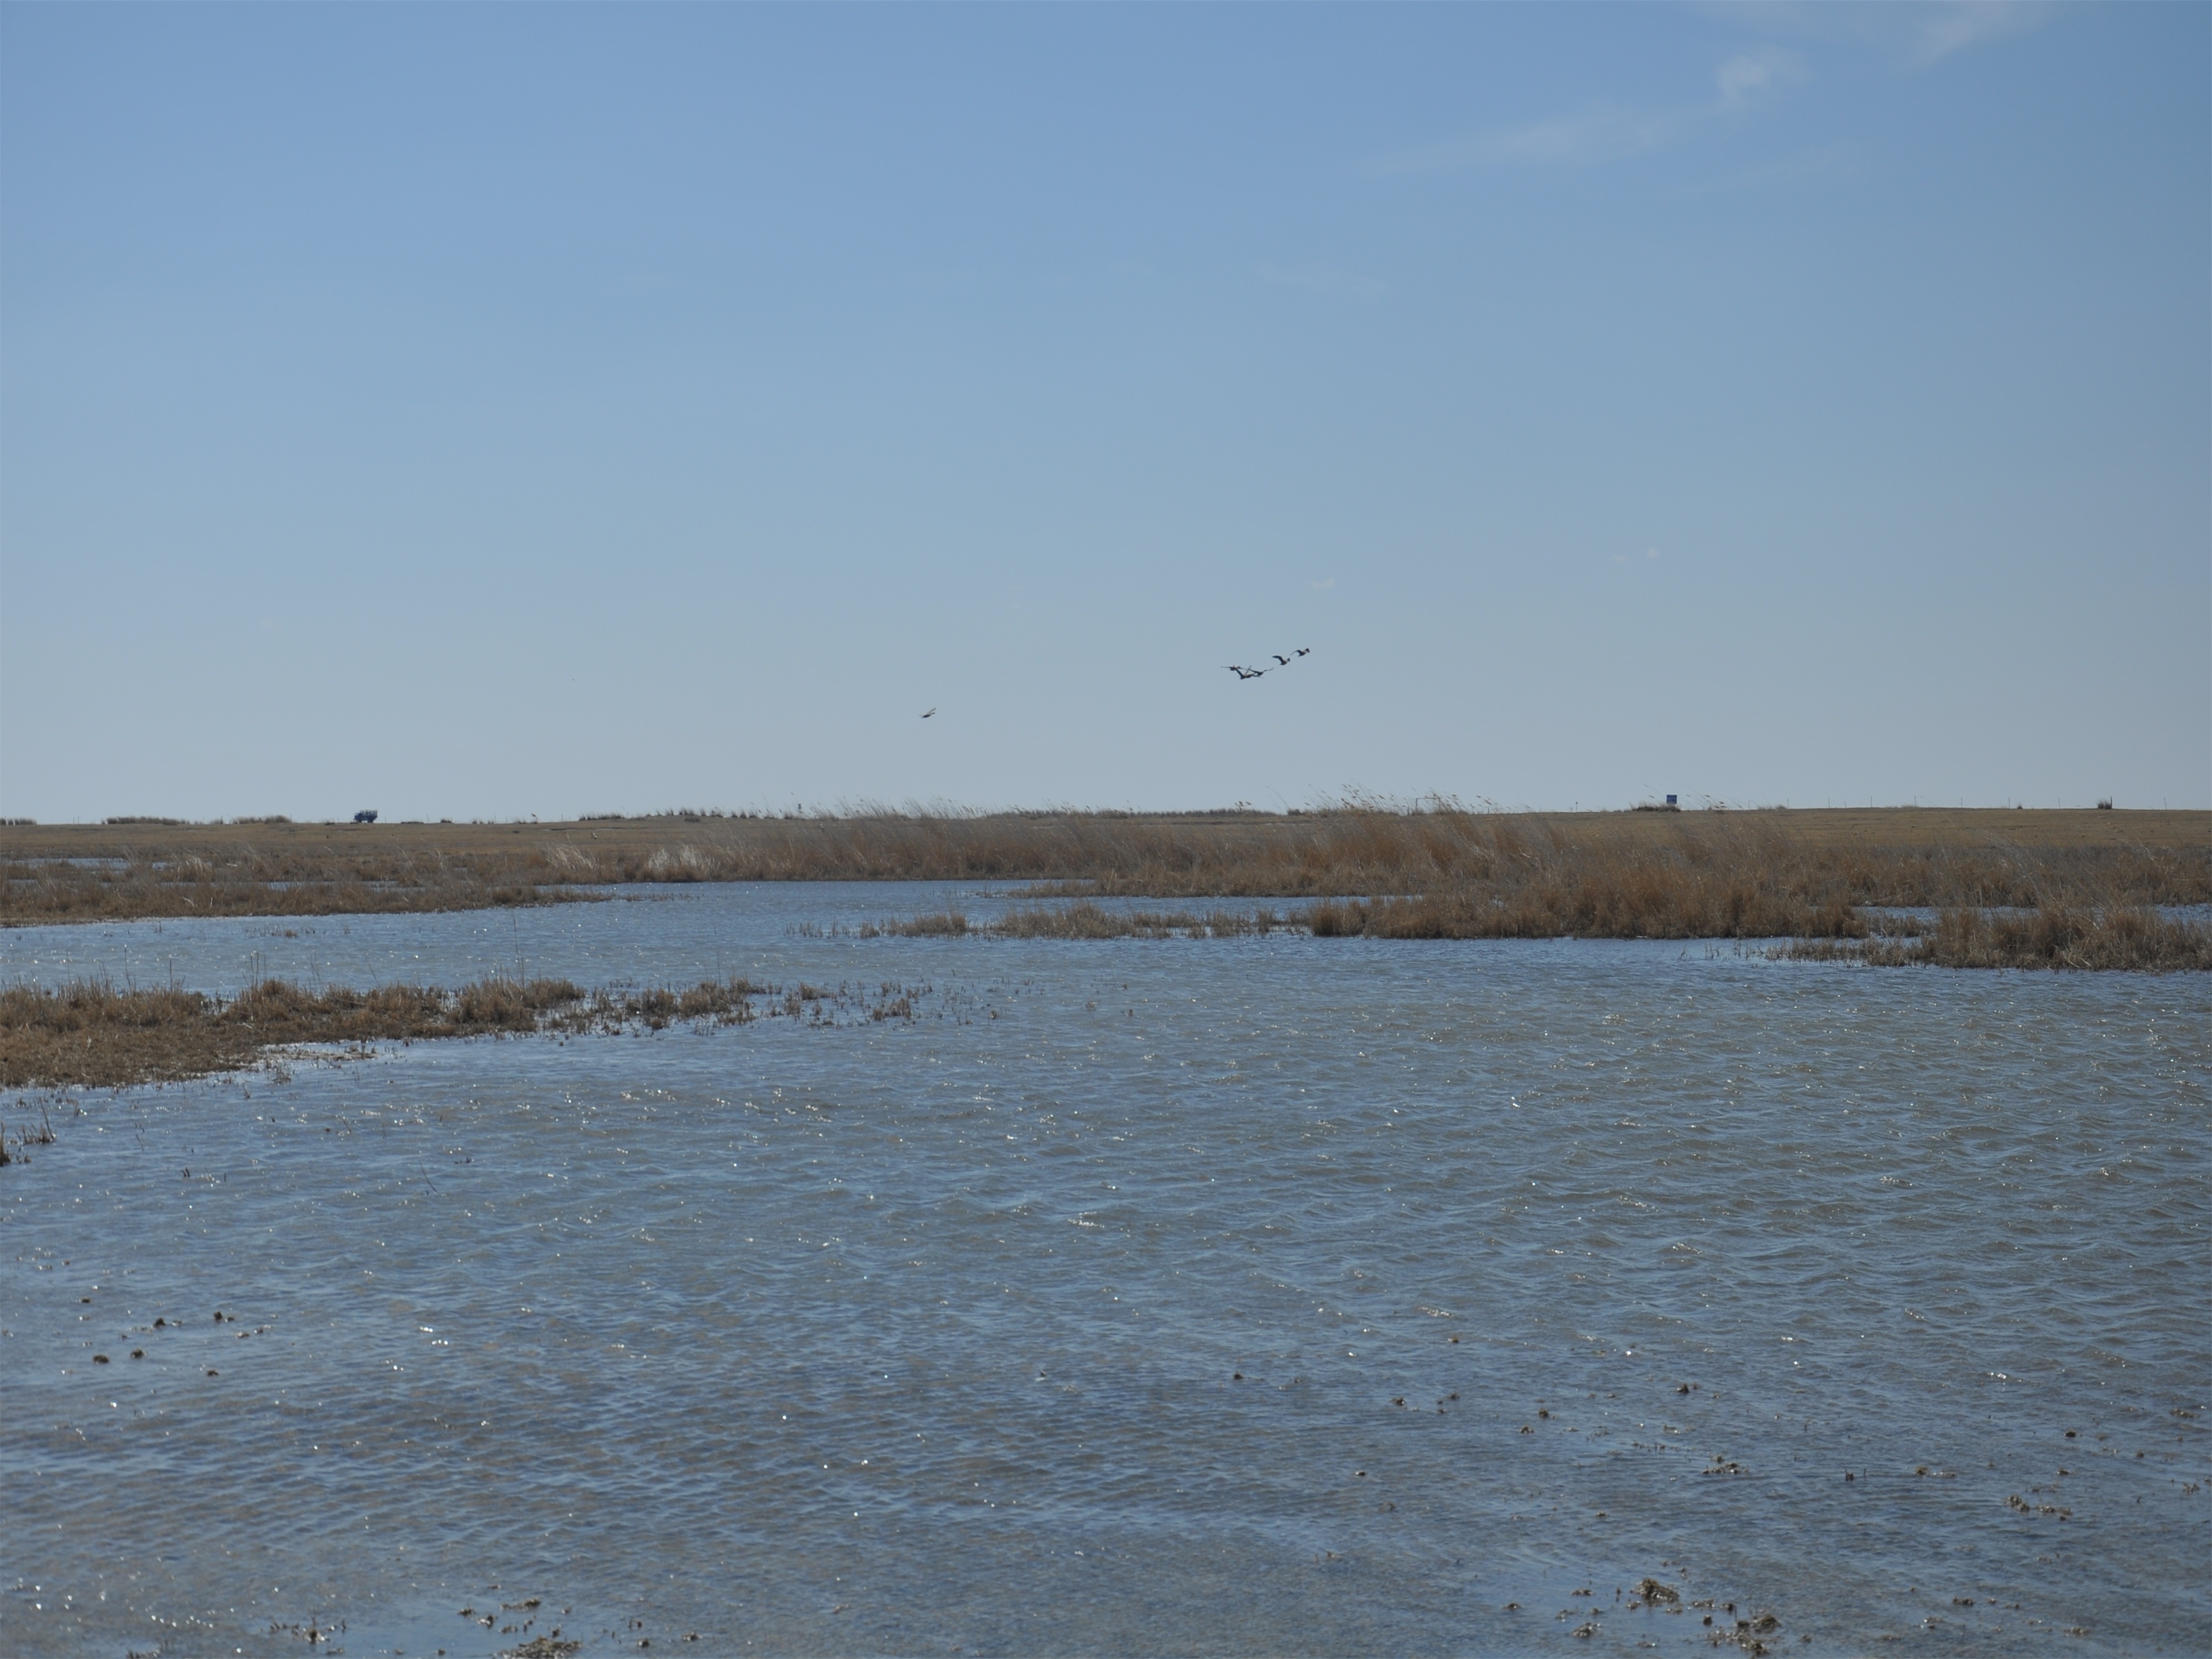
2054,936
1452,875
1752,876
1740,876
1606,903
1086,919
91,1033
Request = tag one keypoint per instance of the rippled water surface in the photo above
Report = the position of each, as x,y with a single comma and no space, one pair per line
1262,1294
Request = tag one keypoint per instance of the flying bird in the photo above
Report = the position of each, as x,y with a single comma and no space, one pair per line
927,713
1281,661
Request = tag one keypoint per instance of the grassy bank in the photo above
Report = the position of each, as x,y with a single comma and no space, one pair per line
1453,873
92,1034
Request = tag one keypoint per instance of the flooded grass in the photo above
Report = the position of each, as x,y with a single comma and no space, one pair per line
1631,903
2058,936
91,1033
1084,918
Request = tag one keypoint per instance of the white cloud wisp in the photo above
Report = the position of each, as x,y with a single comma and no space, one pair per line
1746,81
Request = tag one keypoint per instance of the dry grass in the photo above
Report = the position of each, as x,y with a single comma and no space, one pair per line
2082,902
1438,872
1631,902
256,882
1730,876
91,1033
1083,920
939,924
1087,919
2055,936
2008,905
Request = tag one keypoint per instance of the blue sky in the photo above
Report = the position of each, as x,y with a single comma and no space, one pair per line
486,411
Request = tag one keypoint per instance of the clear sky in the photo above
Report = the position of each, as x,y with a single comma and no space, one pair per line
481,411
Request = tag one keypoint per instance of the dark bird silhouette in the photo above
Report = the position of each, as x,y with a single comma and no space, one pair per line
1305,651
1244,673
1281,658
927,713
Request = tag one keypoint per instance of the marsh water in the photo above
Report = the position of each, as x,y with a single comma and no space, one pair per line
1259,1294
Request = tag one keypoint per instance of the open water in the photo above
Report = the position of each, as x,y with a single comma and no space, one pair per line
1267,1294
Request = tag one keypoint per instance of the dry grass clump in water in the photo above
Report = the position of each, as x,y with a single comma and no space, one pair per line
1083,920
941,924
1750,878
2058,936
1640,905
89,1033
1731,877
1625,904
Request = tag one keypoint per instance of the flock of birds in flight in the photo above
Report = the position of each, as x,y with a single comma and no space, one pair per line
1281,661
1236,668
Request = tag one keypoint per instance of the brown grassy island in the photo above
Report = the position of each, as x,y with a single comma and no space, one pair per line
91,1033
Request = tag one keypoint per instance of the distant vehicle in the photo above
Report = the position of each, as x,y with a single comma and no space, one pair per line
364,817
